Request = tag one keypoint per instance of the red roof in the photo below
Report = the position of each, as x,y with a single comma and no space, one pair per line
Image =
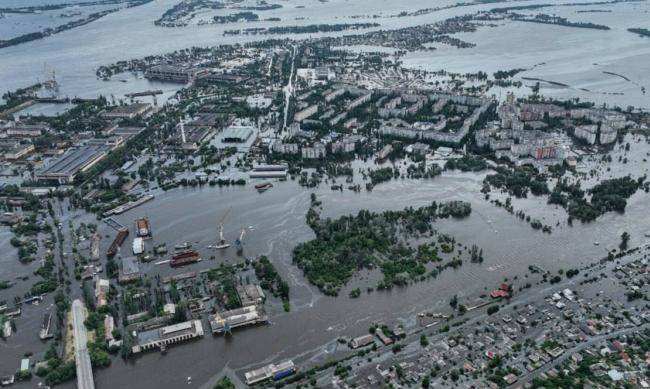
505,287
618,345
498,293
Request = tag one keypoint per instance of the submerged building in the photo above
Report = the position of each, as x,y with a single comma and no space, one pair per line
223,322
276,372
165,336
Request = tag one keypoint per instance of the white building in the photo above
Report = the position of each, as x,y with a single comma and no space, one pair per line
315,152
587,133
306,113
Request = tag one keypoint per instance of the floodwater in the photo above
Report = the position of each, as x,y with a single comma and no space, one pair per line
76,54
276,218
578,57
309,331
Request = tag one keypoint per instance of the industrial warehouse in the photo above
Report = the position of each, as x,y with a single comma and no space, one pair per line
163,337
224,322
64,169
272,371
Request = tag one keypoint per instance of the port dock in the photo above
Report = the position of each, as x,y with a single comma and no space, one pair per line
114,224
128,206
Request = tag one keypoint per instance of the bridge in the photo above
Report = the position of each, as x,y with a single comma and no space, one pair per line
81,356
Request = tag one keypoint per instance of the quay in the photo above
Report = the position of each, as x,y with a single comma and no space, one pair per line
114,224
52,100
144,94
269,171
9,112
128,206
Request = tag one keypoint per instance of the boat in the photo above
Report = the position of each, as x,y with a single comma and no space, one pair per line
596,243
263,187
183,258
117,242
142,227
183,246
46,326
138,246
160,249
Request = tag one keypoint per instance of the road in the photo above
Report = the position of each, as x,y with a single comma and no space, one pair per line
82,359
578,348
288,90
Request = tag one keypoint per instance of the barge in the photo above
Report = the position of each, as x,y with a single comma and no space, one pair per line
185,257
263,187
117,242
142,227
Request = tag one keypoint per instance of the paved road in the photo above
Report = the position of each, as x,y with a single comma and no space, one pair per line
82,359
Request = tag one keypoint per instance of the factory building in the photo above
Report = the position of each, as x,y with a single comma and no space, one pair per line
174,73
272,371
165,336
12,151
65,168
237,134
223,322
24,130
129,270
128,111
362,341
250,295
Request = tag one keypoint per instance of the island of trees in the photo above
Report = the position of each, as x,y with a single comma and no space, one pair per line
641,31
370,240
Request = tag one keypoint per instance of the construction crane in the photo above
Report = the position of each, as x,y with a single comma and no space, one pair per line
50,84
239,243
221,243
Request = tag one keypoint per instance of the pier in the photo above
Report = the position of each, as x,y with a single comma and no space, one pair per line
152,93
145,93
130,205
114,224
